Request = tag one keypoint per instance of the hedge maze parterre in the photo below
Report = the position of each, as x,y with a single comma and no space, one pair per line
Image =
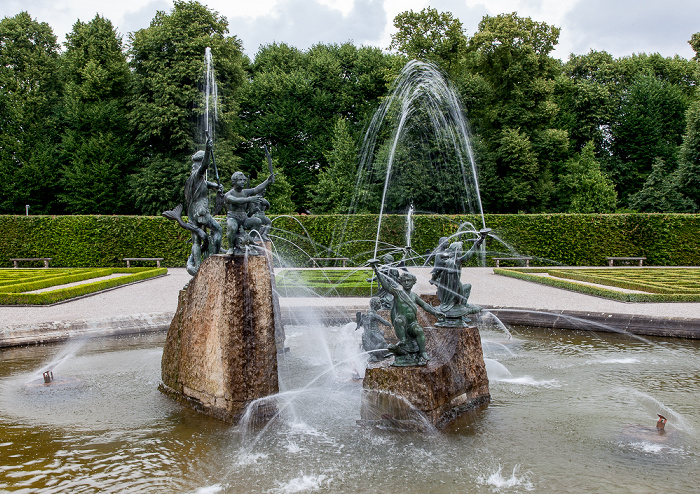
15,284
655,284
325,283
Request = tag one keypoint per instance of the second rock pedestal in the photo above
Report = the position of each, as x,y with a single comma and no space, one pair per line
453,382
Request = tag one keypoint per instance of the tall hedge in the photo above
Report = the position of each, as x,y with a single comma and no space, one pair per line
570,239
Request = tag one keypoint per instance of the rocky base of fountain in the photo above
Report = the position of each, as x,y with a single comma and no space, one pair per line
453,382
220,352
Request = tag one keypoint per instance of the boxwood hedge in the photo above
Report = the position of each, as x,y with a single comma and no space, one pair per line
568,239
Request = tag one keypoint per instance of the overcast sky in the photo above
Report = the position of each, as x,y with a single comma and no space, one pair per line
620,27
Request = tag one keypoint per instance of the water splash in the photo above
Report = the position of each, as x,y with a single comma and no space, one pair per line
304,483
497,480
420,131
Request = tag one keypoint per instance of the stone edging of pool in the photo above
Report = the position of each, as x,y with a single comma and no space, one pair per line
58,331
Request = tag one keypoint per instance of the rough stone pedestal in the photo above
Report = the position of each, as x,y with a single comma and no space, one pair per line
453,382
220,351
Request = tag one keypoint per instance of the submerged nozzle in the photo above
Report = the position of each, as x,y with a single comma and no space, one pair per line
662,422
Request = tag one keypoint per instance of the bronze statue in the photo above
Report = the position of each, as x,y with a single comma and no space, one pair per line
198,216
437,258
372,338
451,292
390,270
410,350
257,210
237,201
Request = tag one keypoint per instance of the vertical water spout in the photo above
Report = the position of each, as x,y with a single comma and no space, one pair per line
210,95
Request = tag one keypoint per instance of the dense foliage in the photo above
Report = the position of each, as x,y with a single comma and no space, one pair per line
106,126
569,239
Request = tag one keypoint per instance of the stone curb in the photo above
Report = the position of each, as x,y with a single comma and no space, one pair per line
59,331
673,327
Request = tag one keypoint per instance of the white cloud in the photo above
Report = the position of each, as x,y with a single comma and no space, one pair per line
303,23
630,26
620,27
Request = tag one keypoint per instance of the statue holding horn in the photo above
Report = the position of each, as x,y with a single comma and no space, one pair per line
199,218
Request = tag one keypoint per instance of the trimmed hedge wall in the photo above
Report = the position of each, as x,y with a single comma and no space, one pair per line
569,239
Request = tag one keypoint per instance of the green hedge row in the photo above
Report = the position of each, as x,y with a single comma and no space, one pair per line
325,283
653,280
527,275
8,297
567,239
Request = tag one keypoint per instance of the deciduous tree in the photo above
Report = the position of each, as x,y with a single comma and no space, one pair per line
586,186
167,60
30,91
431,36
96,140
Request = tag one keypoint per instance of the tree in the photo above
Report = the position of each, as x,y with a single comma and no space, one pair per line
584,95
290,105
29,100
431,36
661,193
511,55
586,186
689,156
519,188
167,60
695,45
333,190
649,125
96,138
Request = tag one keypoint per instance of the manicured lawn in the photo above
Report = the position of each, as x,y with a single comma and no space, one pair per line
16,285
325,283
650,284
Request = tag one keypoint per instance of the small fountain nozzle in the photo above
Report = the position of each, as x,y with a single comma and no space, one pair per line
662,422
48,376
484,231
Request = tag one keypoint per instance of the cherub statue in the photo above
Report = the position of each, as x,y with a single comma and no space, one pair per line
390,270
410,350
237,201
257,210
452,293
372,338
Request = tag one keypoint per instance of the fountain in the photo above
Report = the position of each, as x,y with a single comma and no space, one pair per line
569,410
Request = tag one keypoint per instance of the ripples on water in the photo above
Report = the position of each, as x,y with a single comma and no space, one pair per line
571,412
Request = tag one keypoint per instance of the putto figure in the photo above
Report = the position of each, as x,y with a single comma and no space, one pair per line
257,210
199,218
239,201
372,337
387,267
446,276
410,350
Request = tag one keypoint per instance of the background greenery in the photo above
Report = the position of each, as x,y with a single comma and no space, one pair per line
106,124
570,239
